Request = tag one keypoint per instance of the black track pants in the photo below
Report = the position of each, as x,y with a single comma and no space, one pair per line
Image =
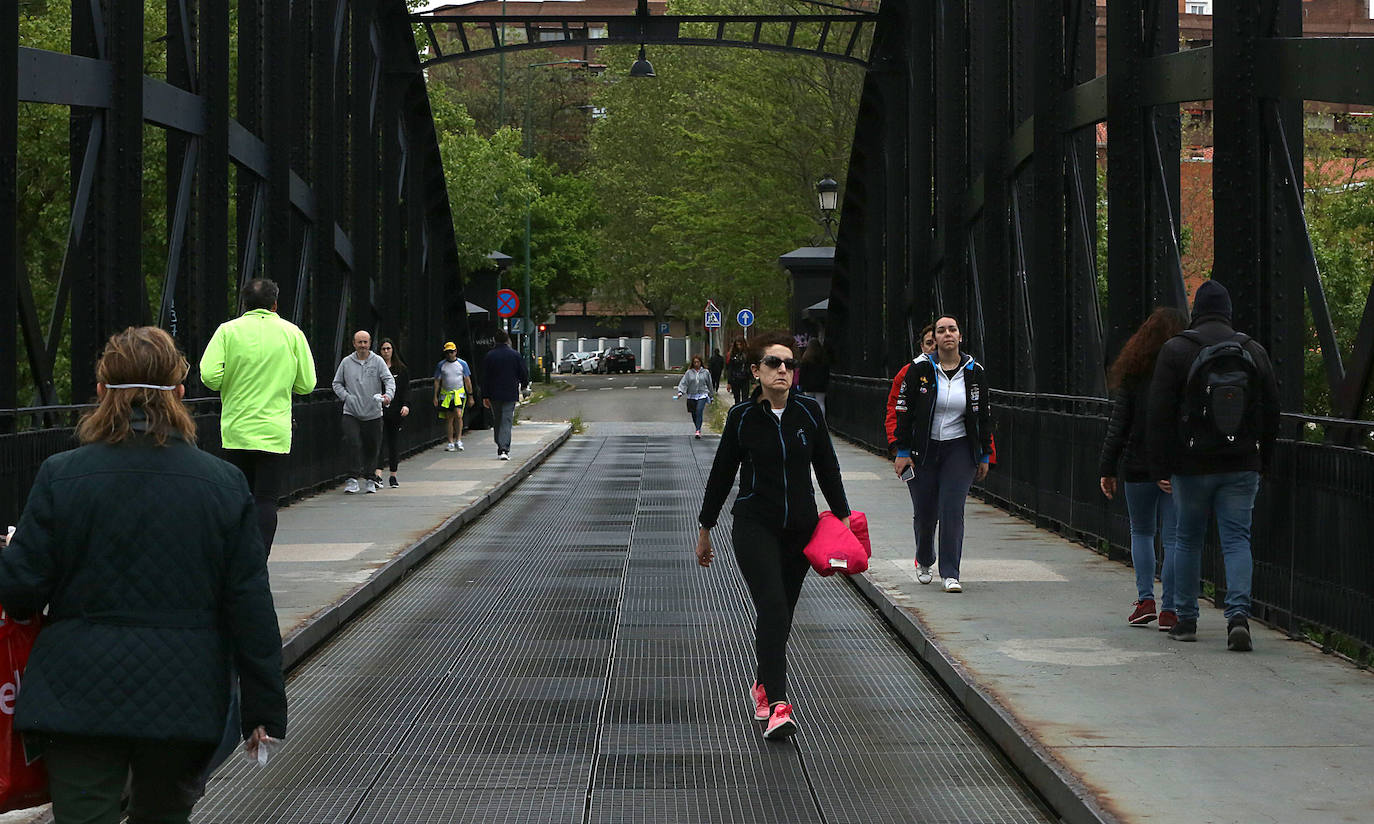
773,566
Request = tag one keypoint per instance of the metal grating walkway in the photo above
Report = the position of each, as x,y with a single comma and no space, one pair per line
565,660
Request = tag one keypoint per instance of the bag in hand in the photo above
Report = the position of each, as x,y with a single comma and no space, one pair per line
22,783
836,548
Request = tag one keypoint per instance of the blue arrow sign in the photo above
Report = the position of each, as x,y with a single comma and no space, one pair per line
745,318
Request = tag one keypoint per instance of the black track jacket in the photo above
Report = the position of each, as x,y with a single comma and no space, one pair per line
911,404
774,459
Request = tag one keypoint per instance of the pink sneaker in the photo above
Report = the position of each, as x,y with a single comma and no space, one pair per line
780,723
760,699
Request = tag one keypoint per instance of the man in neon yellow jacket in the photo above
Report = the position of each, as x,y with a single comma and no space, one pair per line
255,362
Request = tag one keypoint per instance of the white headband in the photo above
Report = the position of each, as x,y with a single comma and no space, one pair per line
139,386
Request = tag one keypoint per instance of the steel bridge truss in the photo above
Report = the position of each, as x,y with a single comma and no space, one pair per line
972,191
329,151
453,36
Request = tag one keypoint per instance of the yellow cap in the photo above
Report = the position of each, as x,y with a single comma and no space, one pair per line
450,345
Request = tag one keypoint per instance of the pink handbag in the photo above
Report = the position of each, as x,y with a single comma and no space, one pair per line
835,548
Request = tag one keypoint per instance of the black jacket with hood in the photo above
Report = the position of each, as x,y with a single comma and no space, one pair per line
911,407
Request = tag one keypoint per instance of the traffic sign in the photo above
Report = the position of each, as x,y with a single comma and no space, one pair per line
711,306
517,326
745,318
663,328
712,319
507,303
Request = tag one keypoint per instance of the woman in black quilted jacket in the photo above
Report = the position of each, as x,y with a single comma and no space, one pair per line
147,555
1150,508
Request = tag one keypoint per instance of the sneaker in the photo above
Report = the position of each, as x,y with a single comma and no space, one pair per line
459,444
1168,619
698,435
953,585
394,483
370,486
449,447
923,574
1184,630
1238,634
503,456
352,486
1144,613
377,482
760,701
780,723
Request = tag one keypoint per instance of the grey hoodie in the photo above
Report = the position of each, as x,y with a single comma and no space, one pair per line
356,382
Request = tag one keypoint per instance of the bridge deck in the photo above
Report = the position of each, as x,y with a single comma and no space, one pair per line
566,660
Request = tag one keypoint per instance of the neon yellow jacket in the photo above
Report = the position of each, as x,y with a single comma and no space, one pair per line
255,362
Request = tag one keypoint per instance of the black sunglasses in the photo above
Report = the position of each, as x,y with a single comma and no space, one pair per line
773,362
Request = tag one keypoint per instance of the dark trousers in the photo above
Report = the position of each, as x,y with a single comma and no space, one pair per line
773,566
363,438
740,390
391,428
87,775
266,474
937,494
502,420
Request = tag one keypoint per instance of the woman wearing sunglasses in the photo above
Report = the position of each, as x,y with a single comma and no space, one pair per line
941,430
773,440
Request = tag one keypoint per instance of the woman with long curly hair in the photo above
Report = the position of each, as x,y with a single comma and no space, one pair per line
1151,509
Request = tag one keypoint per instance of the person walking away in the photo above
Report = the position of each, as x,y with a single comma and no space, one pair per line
1213,418
696,386
256,362
778,436
815,371
504,374
396,411
942,435
452,388
147,555
715,365
738,364
1124,445
364,384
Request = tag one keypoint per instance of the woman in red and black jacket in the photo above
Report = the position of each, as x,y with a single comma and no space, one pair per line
939,425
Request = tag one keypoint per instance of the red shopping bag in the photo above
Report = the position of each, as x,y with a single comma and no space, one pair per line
834,548
22,783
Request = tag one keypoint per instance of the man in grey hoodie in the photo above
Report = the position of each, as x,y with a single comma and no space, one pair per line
365,385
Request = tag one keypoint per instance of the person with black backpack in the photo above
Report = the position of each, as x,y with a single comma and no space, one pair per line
1213,418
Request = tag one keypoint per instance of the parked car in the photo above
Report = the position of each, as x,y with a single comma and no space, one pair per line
591,362
569,364
618,359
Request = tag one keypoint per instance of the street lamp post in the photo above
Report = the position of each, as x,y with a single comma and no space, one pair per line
828,196
526,326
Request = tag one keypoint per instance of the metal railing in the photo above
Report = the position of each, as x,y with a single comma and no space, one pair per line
317,457
1314,558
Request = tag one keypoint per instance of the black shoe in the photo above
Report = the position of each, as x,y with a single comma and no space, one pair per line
1184,630
377,479
1238,634
394,483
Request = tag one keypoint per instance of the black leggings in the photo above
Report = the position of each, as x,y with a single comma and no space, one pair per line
773,566
391,427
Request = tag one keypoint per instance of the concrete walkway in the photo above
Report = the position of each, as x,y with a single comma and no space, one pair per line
1110,721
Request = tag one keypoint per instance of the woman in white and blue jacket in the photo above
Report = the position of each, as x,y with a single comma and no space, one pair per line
939,425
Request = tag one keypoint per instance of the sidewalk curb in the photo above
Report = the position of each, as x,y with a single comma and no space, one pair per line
1073,801
301,641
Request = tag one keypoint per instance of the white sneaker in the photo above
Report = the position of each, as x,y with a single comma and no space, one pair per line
449,447
369,487
953,585
505,456
460,446
923,574
352,486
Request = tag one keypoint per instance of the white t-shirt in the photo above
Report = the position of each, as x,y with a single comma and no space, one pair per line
451,373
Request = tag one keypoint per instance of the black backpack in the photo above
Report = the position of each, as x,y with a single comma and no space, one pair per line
1218,413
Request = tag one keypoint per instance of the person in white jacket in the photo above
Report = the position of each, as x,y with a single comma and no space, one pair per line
364,383
697,387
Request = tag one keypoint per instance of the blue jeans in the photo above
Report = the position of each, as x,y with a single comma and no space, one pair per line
1232,496
1149,505
697,406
